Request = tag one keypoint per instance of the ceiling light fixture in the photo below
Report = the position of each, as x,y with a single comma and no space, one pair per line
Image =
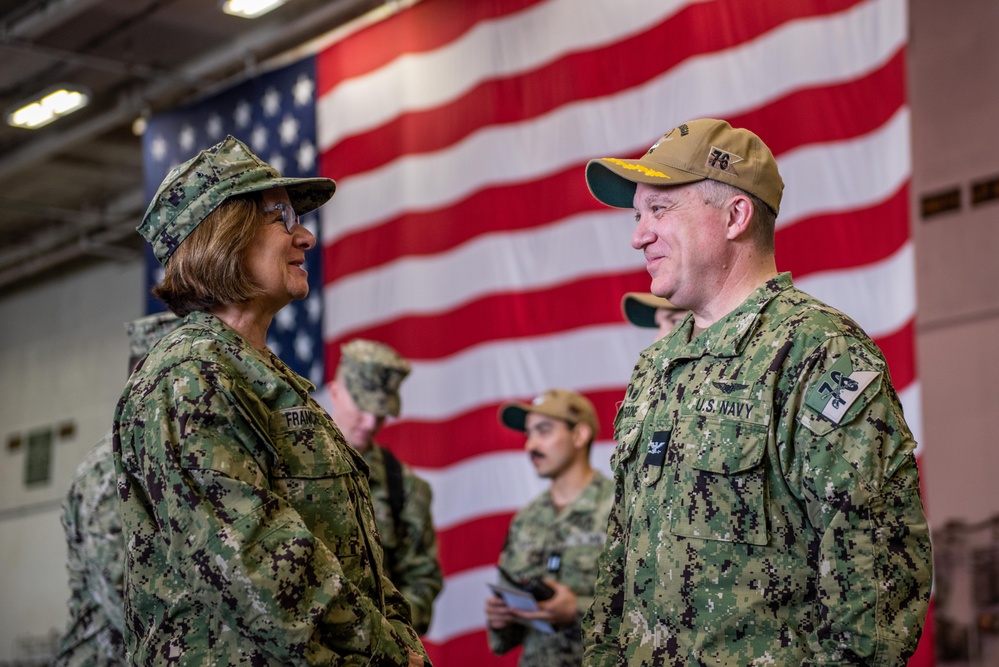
52,103
250,9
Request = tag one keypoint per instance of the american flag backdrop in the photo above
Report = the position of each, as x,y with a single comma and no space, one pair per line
463,235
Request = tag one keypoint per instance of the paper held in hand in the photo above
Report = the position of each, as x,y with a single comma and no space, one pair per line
522,600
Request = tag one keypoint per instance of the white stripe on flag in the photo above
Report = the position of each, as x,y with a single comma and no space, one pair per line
458,609
845,175
585,245
586,359
502,47
880,297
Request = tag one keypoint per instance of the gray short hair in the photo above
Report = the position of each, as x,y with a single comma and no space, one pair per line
716,193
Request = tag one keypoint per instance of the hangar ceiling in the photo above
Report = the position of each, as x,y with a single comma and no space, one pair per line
71,191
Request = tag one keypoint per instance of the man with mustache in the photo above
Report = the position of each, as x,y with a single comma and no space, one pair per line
557,537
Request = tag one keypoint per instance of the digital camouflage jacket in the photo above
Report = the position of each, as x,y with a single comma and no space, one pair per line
95,562
575,536
410,549
768,509
251,537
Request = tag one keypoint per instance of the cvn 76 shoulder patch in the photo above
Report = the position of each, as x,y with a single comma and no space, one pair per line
836,391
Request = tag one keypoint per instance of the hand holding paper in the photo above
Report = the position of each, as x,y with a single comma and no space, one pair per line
521,601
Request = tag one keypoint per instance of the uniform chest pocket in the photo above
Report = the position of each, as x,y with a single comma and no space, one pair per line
721,491
316,473
307,448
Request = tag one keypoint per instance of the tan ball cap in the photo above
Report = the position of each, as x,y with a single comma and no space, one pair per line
691,152
564,404
639,308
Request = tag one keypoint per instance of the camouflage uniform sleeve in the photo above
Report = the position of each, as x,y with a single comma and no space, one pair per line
602,622
850,459
417,571
102,538
506,639
243,549
604,506
95,562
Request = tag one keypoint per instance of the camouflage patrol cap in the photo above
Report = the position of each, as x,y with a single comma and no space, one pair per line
564,404
699,149
145,332
195,188
639,308
372,372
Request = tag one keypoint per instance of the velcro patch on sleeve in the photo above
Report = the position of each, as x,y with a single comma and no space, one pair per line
836,391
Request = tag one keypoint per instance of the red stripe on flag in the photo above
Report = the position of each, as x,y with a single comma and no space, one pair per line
426,26
418,233
433,24
846,239
818,112
471,649
473,543
579,76
899,349
527,313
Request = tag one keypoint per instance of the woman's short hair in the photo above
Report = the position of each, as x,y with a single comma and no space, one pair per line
207,270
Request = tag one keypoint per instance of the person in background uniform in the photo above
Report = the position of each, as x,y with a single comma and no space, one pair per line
767,505
250,531
558,536
95,545
644,309
364,391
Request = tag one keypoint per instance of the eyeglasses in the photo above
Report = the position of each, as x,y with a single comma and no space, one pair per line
288,214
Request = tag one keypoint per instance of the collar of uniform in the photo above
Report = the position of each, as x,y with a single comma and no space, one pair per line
729,336
587,500
213,322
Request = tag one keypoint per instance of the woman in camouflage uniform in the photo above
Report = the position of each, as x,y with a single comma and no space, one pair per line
250,534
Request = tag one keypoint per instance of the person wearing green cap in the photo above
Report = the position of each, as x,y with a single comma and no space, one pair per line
251,533
767,506
556,538
95,544
364,393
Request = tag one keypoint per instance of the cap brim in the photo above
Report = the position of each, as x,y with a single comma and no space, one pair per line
514,416
638,313
639,308
386,405
306,194
613,182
